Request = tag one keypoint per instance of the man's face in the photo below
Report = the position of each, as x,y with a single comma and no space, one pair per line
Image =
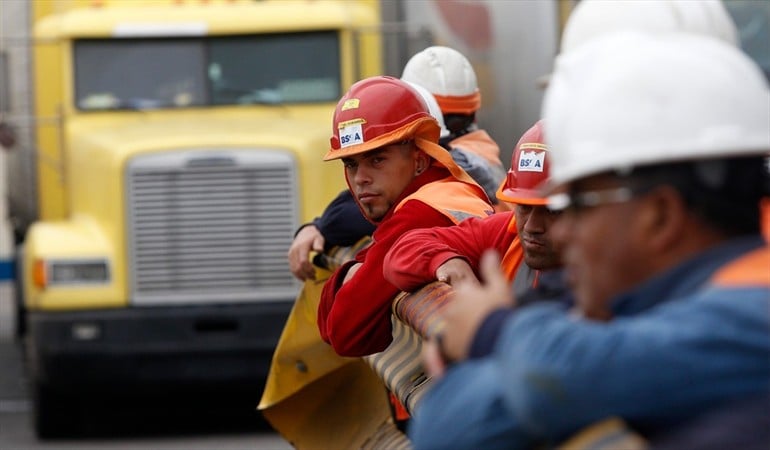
378,177
602,248
533,223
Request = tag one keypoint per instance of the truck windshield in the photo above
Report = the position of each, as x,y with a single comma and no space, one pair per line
193,72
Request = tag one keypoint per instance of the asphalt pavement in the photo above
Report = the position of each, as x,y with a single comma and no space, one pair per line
14,394
142,426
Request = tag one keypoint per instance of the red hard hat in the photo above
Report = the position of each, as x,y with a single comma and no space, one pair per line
378,111
529,169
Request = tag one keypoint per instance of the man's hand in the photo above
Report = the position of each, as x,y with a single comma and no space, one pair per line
471,302
456,270
308,239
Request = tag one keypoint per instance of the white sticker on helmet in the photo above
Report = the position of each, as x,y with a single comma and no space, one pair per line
351,132
531,161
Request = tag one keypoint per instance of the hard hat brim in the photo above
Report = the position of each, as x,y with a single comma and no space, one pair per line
424,127
466,104
521,196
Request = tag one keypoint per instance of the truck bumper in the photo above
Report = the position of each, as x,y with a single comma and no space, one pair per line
229,346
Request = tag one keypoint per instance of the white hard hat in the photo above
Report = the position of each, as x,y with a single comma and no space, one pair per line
592,18
448,75
433,107
630,99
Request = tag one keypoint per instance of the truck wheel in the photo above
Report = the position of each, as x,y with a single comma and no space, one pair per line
54,415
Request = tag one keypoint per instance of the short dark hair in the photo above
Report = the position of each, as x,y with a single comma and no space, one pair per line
724,193
459,124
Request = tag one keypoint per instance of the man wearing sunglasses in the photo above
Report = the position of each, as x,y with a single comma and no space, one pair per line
658,166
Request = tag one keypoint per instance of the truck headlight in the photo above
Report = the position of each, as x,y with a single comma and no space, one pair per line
63,272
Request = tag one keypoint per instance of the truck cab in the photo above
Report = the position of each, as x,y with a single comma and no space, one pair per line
179,147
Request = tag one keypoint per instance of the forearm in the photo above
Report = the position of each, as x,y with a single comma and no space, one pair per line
550,359
414,259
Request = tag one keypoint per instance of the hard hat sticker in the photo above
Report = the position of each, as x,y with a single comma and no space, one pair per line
351,133
351,103
531,161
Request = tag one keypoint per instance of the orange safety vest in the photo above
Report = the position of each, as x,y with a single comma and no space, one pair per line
480,143
455,199
748,270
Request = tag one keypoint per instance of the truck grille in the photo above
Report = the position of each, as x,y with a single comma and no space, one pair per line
211,227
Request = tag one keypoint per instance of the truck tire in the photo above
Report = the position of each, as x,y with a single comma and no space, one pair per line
55,415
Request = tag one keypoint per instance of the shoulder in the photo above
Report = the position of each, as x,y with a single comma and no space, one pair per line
474,136
750,269
413,213
452,198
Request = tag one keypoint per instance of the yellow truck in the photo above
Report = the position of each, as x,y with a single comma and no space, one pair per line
177,148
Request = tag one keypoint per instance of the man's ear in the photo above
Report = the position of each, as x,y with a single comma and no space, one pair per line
664,218
422,162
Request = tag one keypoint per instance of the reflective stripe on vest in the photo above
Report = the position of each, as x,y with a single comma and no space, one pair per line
454,199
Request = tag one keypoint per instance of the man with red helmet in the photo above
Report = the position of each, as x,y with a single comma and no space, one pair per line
401,179
452,254
449,85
